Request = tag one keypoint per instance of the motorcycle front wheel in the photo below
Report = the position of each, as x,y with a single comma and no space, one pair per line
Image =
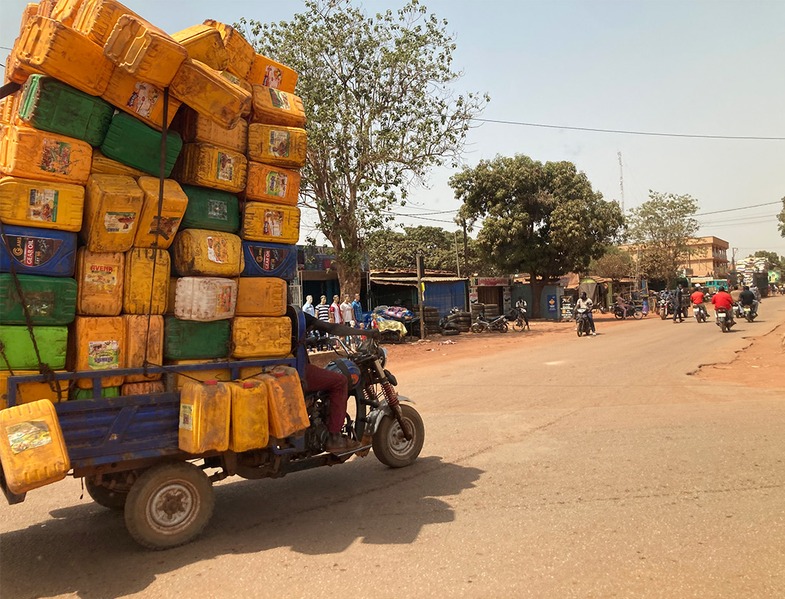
638,314
476,328
503,328
518,325
390,445
663,313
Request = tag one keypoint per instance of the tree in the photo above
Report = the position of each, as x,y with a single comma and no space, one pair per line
781,218
442,249
776,262
660,229
614,264
380,112
542,219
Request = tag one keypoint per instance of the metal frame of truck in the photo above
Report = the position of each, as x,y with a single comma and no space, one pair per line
116,434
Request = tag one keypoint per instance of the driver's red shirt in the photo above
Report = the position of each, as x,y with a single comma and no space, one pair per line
722,300
697,297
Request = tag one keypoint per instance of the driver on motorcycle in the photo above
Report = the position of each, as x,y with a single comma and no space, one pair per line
697,298
335,384
584,303
521,306
722,300
747,298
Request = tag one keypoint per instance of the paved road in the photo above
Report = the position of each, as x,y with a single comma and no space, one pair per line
576,468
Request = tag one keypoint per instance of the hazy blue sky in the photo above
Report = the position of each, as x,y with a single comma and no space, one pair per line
705,68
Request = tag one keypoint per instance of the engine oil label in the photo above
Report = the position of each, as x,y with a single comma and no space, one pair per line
119,222
224,300
272,76
102,278
268,259
32,251
225,171
40,303
165,226
55,156
42,205
273,223
103,355
280,99
143,99
279,143
217,210
186,417
217,249
28,435
277,184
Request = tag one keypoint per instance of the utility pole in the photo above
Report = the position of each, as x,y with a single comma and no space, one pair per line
621,181
420,292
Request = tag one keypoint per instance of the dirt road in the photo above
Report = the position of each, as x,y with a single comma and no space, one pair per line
613,466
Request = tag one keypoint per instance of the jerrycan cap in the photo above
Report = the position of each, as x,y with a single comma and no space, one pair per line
211,382
248,384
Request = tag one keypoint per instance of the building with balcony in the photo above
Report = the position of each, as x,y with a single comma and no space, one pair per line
707,257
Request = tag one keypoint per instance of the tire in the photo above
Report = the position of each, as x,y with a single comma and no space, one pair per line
503,328
450,332
476,328
169,505
580,330
663,313
390,446
724,327
618,315
114,499
518,325
637,314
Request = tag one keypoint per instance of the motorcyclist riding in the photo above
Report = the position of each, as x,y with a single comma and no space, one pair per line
698,298
722,300
747,298
584,303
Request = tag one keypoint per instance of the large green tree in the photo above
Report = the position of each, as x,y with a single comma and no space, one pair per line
613,264
659,230
441,249
380,107
539,218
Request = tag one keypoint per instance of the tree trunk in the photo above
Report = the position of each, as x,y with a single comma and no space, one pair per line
348,279
536,285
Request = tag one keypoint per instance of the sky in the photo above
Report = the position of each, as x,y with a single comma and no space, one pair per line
683,68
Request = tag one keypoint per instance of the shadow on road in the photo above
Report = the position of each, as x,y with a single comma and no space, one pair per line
85,550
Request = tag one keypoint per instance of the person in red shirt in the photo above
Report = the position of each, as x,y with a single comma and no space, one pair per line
723,301
697,298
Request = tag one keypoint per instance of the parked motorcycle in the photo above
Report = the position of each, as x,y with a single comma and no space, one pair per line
622,312
724,319
517,317
483,324
449,324
699,312
582,322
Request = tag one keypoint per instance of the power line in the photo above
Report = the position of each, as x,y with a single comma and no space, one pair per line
625,132
741,208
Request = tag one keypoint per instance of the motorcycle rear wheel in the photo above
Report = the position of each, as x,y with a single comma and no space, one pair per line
637,314
476,328
391,447
518,325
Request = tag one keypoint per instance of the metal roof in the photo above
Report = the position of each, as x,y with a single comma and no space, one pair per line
413,280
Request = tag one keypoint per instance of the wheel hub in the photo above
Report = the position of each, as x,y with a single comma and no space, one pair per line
171,506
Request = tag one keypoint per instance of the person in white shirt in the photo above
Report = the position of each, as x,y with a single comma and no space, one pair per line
586,304
308,305
347,313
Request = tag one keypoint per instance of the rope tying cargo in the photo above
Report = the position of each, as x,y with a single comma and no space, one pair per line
161,181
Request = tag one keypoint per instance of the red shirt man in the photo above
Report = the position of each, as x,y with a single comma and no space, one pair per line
722,300
697,297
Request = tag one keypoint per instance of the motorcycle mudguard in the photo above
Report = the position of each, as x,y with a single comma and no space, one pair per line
375,416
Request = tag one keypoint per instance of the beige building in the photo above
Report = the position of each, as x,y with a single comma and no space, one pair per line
708,257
